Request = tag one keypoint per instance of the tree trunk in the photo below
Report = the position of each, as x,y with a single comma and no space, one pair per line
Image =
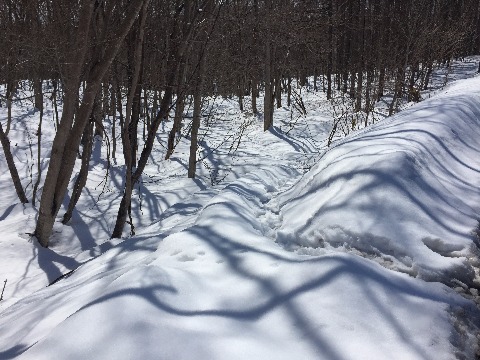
241,91
330,50
412,94
359,93
54,101
278,91
353,77
197,108
398,90
98,115
106,111
39,164
427,76
289,91
177,125
113,107
83,174
368,100
10,91
38,93
329,82
179,107
381,83
268,97
135,117
154,108
127,133
254,96
11,166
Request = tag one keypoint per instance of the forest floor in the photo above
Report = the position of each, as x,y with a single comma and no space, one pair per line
281,248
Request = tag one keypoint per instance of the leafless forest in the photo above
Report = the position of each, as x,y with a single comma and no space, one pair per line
146,60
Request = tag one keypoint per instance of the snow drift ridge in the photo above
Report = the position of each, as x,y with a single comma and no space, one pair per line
404,191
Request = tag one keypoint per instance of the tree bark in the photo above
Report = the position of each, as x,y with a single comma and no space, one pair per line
197,109
181,90
330,50
254,96
241,91
11,166
278,90
398,90
381,83
83,174
268,97
39,153
9,94
131,112
177,124
54,101
38,93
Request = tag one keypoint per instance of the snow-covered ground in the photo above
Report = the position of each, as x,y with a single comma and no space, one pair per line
280,249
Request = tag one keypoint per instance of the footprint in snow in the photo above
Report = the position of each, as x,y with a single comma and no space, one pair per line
185,258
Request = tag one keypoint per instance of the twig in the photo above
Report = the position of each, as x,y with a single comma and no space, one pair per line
4,284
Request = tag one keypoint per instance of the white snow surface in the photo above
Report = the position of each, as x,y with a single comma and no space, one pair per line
405,190
281,249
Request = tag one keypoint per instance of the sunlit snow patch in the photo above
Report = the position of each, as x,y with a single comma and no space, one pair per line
405,191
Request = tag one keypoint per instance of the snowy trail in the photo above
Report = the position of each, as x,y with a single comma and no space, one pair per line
267,303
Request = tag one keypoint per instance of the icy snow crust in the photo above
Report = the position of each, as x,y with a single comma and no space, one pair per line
211,273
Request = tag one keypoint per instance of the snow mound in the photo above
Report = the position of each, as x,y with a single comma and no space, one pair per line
221,290
404,192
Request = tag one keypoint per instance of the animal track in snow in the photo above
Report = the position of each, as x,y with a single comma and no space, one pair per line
185,258
442,248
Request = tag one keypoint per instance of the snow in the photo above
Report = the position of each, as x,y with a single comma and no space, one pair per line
406,188
280,249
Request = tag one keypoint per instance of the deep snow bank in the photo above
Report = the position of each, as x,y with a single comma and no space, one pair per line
405,191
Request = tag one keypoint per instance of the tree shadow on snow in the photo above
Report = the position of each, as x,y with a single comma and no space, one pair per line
14,351
273,296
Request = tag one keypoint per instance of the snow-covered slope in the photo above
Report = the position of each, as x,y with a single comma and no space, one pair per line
222,290
210,273
406,191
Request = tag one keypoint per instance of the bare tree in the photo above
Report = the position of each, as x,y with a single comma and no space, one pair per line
177,50
67,138
128,154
